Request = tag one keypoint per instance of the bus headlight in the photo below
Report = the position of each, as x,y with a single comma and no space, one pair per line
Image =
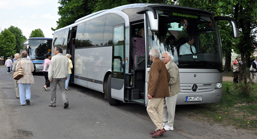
218,86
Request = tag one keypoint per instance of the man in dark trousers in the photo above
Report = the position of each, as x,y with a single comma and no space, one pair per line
158,79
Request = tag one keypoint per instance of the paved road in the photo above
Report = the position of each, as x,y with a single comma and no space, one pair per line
88,117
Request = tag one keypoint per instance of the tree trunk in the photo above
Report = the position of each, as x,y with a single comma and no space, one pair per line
227,61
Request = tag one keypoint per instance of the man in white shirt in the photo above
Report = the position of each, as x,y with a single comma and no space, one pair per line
188,47
8,64
57,74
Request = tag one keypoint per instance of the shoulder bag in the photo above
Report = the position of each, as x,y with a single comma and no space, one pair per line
18,73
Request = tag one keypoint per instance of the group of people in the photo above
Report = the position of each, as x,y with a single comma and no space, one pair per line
56,71
163,87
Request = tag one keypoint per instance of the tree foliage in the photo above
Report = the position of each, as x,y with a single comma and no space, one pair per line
7,43
18,36
71,10
37,33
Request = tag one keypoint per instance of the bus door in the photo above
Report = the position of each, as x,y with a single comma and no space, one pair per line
137,63
71,49
118,63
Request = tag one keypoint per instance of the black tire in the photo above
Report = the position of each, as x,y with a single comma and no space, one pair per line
112,101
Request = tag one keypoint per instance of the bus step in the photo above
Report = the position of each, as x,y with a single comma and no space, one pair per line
141,101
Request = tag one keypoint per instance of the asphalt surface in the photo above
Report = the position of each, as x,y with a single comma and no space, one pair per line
89,117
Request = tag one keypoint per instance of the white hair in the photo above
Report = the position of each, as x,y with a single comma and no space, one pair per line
17,55
168,54
154,53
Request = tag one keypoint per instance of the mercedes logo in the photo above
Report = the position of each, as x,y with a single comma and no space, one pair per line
194,87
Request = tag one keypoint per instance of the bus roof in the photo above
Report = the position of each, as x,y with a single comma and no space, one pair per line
39,38
139,7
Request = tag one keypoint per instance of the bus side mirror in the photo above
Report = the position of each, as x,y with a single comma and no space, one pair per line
153,21
232,22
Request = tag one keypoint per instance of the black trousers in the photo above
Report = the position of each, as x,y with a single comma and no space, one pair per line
47,82
235,80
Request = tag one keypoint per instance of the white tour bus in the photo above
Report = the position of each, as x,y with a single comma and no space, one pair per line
109,51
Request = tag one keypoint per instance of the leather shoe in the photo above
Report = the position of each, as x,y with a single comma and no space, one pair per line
152,132
66,105
27,102
52,105
158,133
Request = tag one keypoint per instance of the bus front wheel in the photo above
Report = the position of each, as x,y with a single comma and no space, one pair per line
112,101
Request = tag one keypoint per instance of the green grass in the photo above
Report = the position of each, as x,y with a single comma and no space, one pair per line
238,107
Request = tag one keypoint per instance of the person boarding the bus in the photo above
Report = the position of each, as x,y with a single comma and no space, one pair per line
17,58
27,79
188,47
8,64
70,67
57,74
174,89
45,70
158,79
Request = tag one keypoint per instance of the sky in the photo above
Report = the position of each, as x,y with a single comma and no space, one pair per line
29,15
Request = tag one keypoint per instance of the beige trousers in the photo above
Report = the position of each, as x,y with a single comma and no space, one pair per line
16,87
155,111
169,110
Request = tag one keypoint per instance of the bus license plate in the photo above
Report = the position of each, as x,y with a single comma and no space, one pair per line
199,98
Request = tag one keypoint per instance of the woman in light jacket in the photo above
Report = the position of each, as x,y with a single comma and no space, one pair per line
27,79
69,73
45,70
17,58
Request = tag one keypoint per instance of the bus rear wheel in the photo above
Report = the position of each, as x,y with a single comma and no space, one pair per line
111,101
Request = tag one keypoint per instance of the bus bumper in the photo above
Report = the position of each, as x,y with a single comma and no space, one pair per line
38,67
199,98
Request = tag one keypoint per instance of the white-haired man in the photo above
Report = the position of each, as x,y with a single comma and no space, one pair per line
158,79
174,89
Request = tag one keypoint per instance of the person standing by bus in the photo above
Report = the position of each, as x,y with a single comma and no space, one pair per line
45,70
57,74
69,74
17,58
253,70
27,79
8,64
158,79
235,70
174,89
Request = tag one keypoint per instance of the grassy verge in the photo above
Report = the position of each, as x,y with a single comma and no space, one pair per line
238,107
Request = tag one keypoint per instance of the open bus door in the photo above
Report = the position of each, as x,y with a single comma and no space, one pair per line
116,79
71,49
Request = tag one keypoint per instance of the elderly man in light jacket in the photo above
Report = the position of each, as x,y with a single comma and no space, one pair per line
57,74
174,89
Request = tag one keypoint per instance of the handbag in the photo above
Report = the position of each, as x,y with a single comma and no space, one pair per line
252,69
18,73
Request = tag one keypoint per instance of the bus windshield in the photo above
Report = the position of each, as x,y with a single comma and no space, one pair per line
39,48
190,38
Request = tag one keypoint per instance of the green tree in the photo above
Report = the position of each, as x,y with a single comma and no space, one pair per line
7,43
71,10
19,38
37,33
